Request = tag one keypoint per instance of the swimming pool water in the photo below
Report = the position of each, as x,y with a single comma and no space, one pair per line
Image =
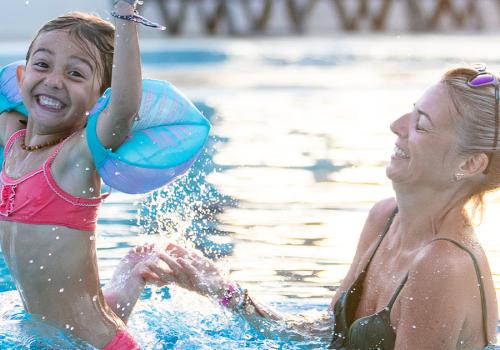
296,158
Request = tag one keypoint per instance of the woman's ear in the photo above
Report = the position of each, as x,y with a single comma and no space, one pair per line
19,74
475,164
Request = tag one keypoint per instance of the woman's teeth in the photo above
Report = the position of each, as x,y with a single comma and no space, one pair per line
400,153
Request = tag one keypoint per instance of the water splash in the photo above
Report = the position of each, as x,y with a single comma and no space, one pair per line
185,211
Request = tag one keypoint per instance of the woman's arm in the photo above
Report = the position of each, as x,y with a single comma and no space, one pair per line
194,272
126,83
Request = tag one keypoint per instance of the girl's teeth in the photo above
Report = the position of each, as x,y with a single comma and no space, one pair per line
50,102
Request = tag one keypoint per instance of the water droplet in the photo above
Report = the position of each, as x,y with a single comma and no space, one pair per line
80,280
117,173
411,298
54,228
61,290
84,191
49,279
413,326
27,2
87,169
31,261
67,326
87,113
114,134
57,237
77,165
117,306
94,298
50,254
72,328
91,189
43,317
41,267
92,238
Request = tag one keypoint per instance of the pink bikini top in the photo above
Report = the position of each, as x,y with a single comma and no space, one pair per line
36,198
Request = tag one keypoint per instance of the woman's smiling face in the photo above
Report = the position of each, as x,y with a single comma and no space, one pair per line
425,150
60,83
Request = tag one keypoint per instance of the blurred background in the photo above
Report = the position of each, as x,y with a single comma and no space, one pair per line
273,17
300,94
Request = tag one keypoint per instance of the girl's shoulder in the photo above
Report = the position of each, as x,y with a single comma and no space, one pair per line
10,122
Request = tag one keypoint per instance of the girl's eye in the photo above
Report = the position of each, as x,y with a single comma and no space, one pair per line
41,65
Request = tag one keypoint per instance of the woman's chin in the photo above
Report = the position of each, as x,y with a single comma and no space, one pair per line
393,174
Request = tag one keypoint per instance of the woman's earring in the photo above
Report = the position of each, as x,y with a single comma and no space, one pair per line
458,176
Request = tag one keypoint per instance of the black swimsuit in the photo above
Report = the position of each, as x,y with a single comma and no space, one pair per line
375,331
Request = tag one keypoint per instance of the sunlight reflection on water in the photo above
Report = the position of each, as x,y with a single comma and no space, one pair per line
300,153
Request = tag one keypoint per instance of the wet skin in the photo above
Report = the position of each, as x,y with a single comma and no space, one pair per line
55,267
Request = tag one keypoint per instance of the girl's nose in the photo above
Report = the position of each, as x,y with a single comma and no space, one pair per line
400,125
54,80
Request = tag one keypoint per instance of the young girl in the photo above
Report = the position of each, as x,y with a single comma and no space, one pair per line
50,187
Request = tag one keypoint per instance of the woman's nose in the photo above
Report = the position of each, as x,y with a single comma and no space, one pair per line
400,125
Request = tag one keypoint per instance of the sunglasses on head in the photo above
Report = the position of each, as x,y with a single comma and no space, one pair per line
483,78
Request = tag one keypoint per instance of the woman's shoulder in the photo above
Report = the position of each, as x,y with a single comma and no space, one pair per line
376,220
444,285
443,266
383,209
378,216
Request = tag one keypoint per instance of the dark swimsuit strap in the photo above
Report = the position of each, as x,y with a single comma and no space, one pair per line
386,229
479,282
396,293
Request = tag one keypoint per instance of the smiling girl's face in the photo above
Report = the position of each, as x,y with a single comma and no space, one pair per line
60,82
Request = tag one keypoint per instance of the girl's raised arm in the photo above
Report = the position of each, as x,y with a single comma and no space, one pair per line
126,83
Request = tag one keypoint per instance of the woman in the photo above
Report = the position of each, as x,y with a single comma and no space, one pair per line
419,279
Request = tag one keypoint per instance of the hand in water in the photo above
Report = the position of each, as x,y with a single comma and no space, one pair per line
142,264
191,271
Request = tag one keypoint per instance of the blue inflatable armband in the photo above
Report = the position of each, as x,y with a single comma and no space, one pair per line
166,137
10,99
165,140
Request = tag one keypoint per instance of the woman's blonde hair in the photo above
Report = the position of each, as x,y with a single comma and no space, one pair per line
475,127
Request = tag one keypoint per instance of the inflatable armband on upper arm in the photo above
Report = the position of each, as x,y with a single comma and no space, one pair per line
165,139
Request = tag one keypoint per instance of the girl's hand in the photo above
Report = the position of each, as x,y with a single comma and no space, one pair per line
192,271
130,2
141,265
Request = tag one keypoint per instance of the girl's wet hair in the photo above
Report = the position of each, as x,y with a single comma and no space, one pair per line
87,30
475,116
